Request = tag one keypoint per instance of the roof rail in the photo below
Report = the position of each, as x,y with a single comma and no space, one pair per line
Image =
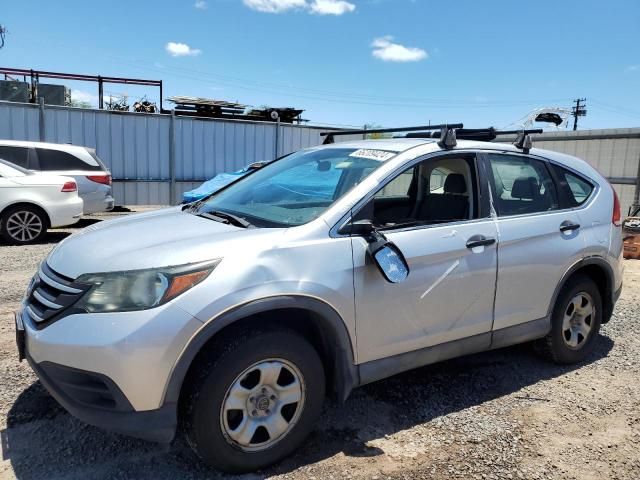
442,127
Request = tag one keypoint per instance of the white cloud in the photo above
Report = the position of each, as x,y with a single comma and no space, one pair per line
386,50
176,49
319,7
82,96
275,6
633,68
201,5
331,7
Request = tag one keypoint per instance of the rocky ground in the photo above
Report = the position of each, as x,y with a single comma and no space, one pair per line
499,415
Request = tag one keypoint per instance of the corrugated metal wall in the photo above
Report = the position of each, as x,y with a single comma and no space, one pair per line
137,147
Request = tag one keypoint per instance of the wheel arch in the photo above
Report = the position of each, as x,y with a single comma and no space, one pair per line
313,318
27,204
599,270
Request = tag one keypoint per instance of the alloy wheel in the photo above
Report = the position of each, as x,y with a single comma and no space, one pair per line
24,226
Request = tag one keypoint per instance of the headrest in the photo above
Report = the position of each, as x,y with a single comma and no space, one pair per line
525,188
455,183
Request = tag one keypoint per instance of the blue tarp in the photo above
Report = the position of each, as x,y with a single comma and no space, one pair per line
213,185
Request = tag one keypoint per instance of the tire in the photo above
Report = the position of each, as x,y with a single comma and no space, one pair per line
226,377
575,322
23,224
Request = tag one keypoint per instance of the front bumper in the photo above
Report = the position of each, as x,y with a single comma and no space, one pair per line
111,369
96,399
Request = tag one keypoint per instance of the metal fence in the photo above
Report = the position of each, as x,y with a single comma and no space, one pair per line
155,158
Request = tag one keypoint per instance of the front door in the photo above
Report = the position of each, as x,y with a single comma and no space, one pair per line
449,292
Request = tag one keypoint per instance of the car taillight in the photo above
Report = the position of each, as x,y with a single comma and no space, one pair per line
103,179
69,187
616,216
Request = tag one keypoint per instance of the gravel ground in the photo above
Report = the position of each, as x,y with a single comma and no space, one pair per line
498,415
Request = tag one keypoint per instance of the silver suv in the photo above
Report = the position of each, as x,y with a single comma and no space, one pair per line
327,269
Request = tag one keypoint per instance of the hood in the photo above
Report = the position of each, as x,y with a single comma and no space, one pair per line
155,239
32,180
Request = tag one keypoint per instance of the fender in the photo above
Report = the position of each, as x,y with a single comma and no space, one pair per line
608,299
335,336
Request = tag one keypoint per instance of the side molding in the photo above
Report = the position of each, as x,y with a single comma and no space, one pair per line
386,367
335,337
521,333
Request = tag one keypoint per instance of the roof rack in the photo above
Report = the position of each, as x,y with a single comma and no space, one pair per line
447,133
479,134
523,140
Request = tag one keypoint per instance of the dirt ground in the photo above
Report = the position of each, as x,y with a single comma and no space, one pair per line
500,415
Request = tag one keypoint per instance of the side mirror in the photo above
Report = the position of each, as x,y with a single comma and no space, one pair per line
390,260
386,255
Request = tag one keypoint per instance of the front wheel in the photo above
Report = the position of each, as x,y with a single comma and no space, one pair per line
575,322
254,400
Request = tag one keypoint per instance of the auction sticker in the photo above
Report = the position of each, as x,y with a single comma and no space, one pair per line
370,154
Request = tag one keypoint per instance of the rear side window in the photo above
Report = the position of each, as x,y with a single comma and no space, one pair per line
574,190
522,184
17,155
57,160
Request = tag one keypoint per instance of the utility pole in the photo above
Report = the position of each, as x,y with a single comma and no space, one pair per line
580,110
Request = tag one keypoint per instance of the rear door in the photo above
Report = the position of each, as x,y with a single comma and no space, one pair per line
539,238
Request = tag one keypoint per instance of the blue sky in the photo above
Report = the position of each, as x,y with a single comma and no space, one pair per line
388,62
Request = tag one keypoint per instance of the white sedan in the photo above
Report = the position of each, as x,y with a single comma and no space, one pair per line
30,203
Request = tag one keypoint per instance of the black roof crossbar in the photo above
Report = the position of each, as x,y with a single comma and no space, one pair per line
478,134
330,135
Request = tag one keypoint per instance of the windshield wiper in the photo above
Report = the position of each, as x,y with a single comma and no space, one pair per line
225,217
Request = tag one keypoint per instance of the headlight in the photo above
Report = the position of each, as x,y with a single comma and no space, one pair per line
140,289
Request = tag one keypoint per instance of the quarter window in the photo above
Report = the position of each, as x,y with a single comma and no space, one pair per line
574,190
522,185
51,160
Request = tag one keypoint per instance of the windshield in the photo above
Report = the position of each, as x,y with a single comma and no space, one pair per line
296,189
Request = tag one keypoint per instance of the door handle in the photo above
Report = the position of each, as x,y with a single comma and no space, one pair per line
480,241
569,226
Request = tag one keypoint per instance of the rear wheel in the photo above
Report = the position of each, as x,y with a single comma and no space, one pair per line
23,224
254,400
575,322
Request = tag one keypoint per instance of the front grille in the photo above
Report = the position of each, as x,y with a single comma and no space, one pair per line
50,294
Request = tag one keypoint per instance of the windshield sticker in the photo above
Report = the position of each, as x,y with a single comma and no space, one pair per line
380,155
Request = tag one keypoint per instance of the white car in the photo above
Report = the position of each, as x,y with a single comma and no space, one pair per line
31,203
81,163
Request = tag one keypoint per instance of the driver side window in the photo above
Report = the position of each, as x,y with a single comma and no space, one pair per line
437,190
